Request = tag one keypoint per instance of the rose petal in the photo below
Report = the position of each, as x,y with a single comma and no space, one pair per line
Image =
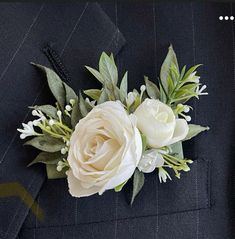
181,131
75,188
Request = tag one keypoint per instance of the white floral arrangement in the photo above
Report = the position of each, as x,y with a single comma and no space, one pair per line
104,140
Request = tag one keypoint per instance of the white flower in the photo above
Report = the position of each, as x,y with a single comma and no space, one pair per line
193,78
68,107
163,175
199,91
40,116
131,97
59,114
27,130
105,149
150,160
158,123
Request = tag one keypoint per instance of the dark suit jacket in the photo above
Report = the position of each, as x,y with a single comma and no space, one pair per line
200,204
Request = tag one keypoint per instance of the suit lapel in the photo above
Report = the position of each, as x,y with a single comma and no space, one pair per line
79,32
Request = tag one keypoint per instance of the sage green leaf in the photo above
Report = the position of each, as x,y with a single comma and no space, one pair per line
177,149
144,142
119,187
46,143
190,71
52,173
49,110
70,94
47,158
75,115
166,66
124,87
55,84
108,68
82,106
116,93
152,89
194,130
163,94
96,74
93,93
138,183
103,97
112,58
182,72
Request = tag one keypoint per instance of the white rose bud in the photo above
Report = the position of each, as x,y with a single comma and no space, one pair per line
158,123
150,160
105,149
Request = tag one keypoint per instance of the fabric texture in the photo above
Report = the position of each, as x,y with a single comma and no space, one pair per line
199,205
28,27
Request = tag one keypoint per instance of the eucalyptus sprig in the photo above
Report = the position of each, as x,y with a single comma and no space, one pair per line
52,129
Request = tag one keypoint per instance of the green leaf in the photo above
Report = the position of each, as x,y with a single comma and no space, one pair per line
76,114
163,94
177,149
47,158
166,66
124,87
191,70
46,143
55,84
96,74
70,94
52,173
108,68
144,142
49,110
138,183
119,187
103,97
152,89
82,106
194,130
112,58
93,93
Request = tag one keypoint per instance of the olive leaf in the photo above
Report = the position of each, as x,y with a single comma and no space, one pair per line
194,130
190,71
103,97
70,94
49,110
55,84
124,87
93,93
138,183
96,74
166,66
108,68
47,158
52,172
144,142
177,149
82,105
46,143
76,114
120,187
152,89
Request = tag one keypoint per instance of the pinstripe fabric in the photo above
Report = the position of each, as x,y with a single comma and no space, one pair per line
62,25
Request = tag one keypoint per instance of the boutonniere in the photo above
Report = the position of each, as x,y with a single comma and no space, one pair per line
102,141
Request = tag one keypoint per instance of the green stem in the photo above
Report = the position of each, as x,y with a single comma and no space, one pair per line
65,127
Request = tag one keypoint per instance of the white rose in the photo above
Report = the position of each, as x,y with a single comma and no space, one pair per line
158,123
105,149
